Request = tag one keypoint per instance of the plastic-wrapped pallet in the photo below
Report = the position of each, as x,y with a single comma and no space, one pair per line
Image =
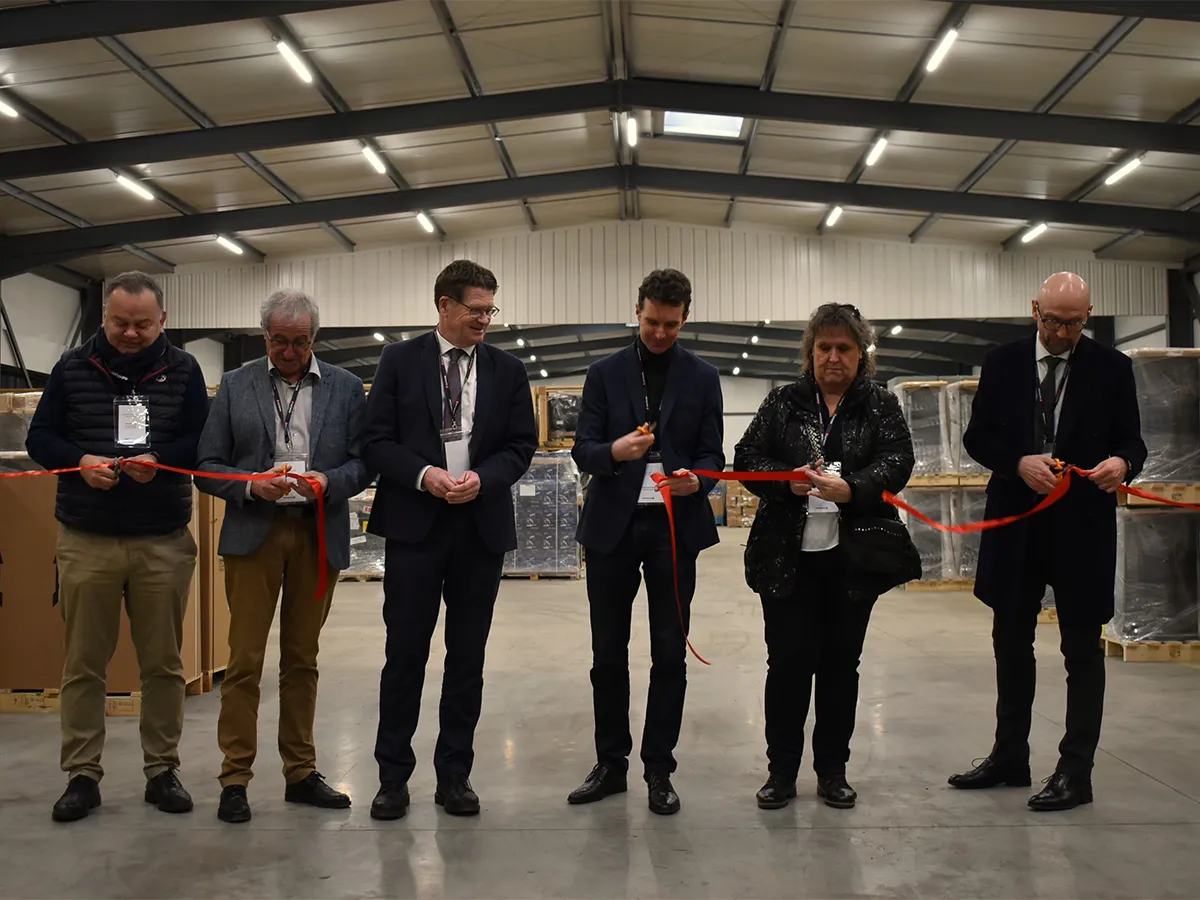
366,550
1158,572
562,407
921,402
937,557
546,505
957,399
1168,393
966,506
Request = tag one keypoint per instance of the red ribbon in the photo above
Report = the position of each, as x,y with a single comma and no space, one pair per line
314,483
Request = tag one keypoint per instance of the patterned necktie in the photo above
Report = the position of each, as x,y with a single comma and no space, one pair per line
454,379
1049,395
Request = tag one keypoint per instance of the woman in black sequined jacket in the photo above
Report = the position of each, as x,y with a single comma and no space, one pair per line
849,434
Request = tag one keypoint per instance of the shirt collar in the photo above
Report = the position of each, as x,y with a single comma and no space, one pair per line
313,369
444,346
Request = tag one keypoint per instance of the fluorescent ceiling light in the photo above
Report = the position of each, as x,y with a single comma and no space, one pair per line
702,125
1033,233
373,159
943,48
423,221
834,215
754,338
295,62
533,357
766,321
745,355
131,185
545,374
520,342
7,110
896,329
631,131
1123,171
737,370
379,337
229,245
876,151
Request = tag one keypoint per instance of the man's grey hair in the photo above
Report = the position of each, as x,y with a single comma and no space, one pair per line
134,283
291,306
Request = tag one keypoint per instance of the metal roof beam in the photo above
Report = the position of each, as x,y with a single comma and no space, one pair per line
42,248
644,93
1176,10
1079,71
51,23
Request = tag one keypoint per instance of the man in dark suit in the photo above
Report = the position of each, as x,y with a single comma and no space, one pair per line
450,429
655,383
1056,395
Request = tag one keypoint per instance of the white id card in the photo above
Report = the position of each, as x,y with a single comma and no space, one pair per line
295,467
458,452
816,503
649,492
131,418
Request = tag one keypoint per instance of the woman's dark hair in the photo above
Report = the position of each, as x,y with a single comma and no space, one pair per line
668,286
460,275
844,317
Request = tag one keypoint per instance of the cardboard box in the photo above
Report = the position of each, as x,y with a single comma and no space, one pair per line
31,627
214,604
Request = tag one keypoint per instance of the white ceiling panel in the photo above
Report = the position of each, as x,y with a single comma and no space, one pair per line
996,75
463,221
858,222
385,73
561,212
106,106
804,157
201,43
818,62
448,163
801,218
105,202
17,218
748,12
311,151
921,167
522,57
1135,87
249,89
66,61
898,18
1066,31
235,187
364,24
430,139
390,230
593,119
1158,37
982,232
332,176
1028,175
577,148
700,51
682,208
480,15
812,130
17,134
1155,249
668,153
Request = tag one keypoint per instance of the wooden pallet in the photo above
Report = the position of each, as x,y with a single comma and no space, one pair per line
565,443
1048,616
48,701
538,576
1151,651
932,481
361,578
941,584
1181,493
209,679
977,480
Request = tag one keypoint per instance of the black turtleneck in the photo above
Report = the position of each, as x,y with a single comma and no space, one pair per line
654,370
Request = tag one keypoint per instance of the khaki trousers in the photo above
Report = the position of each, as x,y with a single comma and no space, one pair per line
151,575
286,560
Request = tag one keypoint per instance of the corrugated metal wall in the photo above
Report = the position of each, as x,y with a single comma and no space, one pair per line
590,274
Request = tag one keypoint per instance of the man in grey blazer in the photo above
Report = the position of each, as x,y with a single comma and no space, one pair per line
286,413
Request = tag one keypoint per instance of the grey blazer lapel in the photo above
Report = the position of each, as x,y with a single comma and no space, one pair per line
320,407
266,401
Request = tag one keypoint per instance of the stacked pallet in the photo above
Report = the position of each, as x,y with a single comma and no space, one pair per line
556,410
741,506
546,503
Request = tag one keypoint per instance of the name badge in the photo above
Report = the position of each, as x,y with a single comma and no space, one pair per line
650,492
131,420
458,452
295,467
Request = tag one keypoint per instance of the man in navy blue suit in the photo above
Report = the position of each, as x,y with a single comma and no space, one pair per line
655,383
449,429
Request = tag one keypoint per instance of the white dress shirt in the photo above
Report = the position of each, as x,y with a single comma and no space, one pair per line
468,381
301,421
1043,367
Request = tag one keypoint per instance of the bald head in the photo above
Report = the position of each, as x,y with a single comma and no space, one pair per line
1061,310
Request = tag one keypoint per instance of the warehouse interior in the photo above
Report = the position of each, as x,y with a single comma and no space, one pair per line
929,162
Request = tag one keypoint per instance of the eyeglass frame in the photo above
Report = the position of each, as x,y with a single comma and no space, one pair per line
1054,323
281,344
490,312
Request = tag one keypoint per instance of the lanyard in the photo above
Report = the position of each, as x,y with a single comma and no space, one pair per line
287,420
1048,416
455,407
642,368
826,427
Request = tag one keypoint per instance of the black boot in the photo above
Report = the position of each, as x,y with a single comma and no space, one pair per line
457,797
991,772
390,803
603,781
81,796
1062,792
234,807
166,792
776,793
836,792
313,791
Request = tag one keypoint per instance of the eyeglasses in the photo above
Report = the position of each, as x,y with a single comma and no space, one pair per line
1054,322
281,344
479,312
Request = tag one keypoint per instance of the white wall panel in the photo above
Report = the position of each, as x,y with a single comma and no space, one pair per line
1126,327
590,274
210,355
44,316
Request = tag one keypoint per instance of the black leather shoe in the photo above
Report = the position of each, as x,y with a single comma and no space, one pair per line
166,792
992,772
391,802
81,797
234,807
836,792
313,791
663,799
1061,792
603,781
776,793
456,795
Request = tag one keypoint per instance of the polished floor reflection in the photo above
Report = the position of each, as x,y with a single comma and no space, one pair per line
925,711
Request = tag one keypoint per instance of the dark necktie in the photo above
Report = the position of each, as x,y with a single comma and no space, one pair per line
1049,396
454,379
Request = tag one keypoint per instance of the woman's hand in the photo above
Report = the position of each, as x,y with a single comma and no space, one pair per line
801,488
831,488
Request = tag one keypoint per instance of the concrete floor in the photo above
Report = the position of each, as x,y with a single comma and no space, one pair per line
925,712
